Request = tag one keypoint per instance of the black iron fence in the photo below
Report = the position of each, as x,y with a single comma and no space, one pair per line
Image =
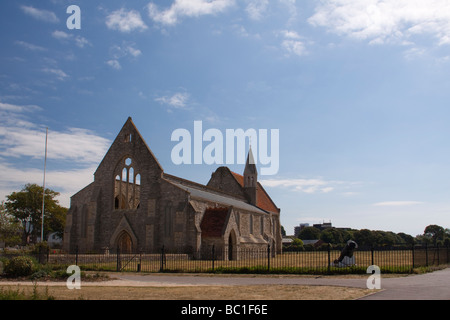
212,259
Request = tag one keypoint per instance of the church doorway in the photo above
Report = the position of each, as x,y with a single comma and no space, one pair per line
232,251
125,243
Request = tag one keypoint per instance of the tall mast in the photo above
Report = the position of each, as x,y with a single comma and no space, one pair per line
43,187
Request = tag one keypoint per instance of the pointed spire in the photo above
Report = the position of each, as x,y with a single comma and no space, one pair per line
251,178
250,166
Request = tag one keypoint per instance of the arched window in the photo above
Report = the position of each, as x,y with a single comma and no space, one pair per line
127,186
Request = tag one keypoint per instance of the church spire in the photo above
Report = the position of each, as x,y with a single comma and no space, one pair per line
251,178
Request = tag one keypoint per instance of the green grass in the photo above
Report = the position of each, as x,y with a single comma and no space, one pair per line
17,294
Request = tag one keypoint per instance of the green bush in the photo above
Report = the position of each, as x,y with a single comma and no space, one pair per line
19,267
39,275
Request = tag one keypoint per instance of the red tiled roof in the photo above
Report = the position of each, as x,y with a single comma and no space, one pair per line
213,222
263,200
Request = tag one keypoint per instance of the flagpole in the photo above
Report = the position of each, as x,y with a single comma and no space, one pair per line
43,187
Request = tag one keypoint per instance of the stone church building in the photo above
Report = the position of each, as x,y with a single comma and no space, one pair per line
133,205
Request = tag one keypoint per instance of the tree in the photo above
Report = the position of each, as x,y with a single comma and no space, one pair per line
447,237
331,235
10,230
364,237
406,238
434,232
283,232
26,207
309,233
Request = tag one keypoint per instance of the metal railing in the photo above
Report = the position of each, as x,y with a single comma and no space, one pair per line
264,260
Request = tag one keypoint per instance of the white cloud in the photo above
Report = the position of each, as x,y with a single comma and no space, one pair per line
294,47
60,75
115,64
118,52
20,139
66,182
124,50
30,46
242,32
61,35
382,21
177,100
256,8
64,36
187,8
397,203
304,185
7,107
81,41
74,144
39,14
133,51
292,43
125,21
292,8
289,34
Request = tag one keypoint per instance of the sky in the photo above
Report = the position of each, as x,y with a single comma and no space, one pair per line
358,90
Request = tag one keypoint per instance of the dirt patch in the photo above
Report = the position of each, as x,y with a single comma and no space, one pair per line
254,292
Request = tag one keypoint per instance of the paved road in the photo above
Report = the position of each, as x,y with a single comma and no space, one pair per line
429,286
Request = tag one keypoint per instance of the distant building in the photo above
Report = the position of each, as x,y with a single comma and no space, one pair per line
323,226
54,241
286,241
299,228
315,243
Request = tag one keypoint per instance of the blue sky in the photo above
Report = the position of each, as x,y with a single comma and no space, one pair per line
359,91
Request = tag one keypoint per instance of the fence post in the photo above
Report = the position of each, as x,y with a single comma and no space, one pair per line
161,269
140,262
268,257
213,257
372,249
437,249
413,255
76,256
426,254
329,257
118,259
40,255
447,253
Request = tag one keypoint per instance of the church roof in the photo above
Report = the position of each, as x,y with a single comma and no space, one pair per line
209,195
263,200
